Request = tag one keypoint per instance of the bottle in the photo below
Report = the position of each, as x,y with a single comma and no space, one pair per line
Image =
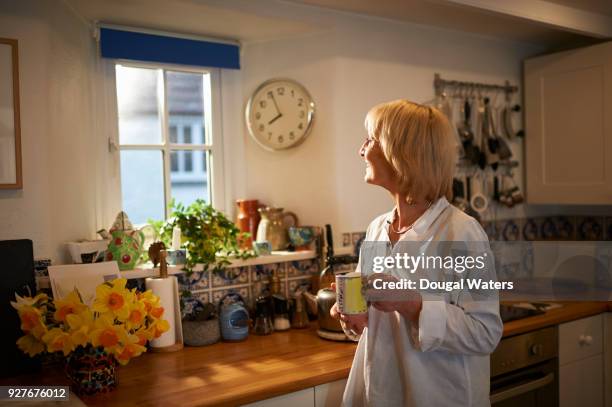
263,317
299,318
281,309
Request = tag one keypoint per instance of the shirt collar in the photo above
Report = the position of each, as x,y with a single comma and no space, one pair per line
427,218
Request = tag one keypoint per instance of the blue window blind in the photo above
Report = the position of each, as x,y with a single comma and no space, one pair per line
137,46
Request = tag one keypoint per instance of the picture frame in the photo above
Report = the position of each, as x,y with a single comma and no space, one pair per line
10,126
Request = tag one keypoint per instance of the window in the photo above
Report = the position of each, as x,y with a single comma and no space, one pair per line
165,124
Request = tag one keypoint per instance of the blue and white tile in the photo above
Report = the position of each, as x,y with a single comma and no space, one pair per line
509,230
230,276
303,267
566,227
137,283
262,272
530,229
491,229
589,228
261,288
299,282
218,295
197,280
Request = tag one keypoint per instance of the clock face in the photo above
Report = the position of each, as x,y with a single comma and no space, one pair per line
280,114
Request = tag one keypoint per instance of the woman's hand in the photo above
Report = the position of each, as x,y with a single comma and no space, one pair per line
355,323
407,303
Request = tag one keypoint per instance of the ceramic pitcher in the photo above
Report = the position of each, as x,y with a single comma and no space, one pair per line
273,227
126,243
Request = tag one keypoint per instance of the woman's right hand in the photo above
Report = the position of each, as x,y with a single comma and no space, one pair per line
355,323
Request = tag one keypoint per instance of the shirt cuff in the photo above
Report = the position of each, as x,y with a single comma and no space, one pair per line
432,325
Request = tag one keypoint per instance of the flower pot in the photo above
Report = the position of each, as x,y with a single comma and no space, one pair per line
201,333
91,371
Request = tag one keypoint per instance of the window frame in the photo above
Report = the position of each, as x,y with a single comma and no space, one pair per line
212,127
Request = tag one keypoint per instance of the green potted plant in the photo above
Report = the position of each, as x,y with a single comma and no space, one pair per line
210,239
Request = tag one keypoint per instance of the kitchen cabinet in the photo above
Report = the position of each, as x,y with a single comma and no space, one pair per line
581,362
323,395
608,358
329,394
302,398
568,123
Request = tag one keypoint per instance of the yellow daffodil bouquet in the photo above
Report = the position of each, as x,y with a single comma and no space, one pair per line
120,321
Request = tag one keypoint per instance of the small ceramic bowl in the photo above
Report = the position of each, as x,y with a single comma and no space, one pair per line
300,236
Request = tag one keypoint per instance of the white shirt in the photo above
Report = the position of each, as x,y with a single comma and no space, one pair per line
445,360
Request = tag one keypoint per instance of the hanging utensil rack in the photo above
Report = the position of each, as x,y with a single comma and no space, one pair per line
441,84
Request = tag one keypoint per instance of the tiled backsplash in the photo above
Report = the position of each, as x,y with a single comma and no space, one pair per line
250,281
551,228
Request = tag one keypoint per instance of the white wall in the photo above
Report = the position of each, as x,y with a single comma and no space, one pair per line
57,202
352,64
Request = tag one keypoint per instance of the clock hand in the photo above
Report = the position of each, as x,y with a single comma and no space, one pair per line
278,116
275,105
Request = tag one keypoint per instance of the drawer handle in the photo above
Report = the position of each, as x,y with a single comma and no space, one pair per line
522,389
585,340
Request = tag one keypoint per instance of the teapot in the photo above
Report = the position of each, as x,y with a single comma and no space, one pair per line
126,243
273,227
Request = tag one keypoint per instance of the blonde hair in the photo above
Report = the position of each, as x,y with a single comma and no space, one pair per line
417,141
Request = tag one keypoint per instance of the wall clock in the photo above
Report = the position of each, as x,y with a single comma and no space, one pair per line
280,114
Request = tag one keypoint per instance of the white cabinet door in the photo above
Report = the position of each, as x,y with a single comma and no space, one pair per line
580,339
608,359
568,123
581,383
302,398
330,394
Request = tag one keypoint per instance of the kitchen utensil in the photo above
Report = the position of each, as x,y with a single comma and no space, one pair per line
126,243
299,317
273,226
263,317
443,104
482,134
471,151
503,149
469,210
234,318
478,200
321,303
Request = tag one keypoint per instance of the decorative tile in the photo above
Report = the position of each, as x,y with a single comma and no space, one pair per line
608,228
203,296
346,239
299,282
190,304
491,229
548,228
261,288
303,267
218,295
262,272
565,227
509,230
589,228
530,229
197,280
40,267
230,276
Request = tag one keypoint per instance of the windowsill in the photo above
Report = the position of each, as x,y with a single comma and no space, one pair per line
147,269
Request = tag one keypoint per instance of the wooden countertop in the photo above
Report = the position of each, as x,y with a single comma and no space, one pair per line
258,368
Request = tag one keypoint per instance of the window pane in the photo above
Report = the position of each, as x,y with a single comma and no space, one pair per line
188,161
142,185
174,166
173,134
189,186
185,99
137,103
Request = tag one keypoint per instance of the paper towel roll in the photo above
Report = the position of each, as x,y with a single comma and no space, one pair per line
165,289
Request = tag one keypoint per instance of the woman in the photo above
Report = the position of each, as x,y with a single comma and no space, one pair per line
416,352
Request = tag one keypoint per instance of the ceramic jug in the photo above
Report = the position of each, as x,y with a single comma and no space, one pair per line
273,227
126,243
